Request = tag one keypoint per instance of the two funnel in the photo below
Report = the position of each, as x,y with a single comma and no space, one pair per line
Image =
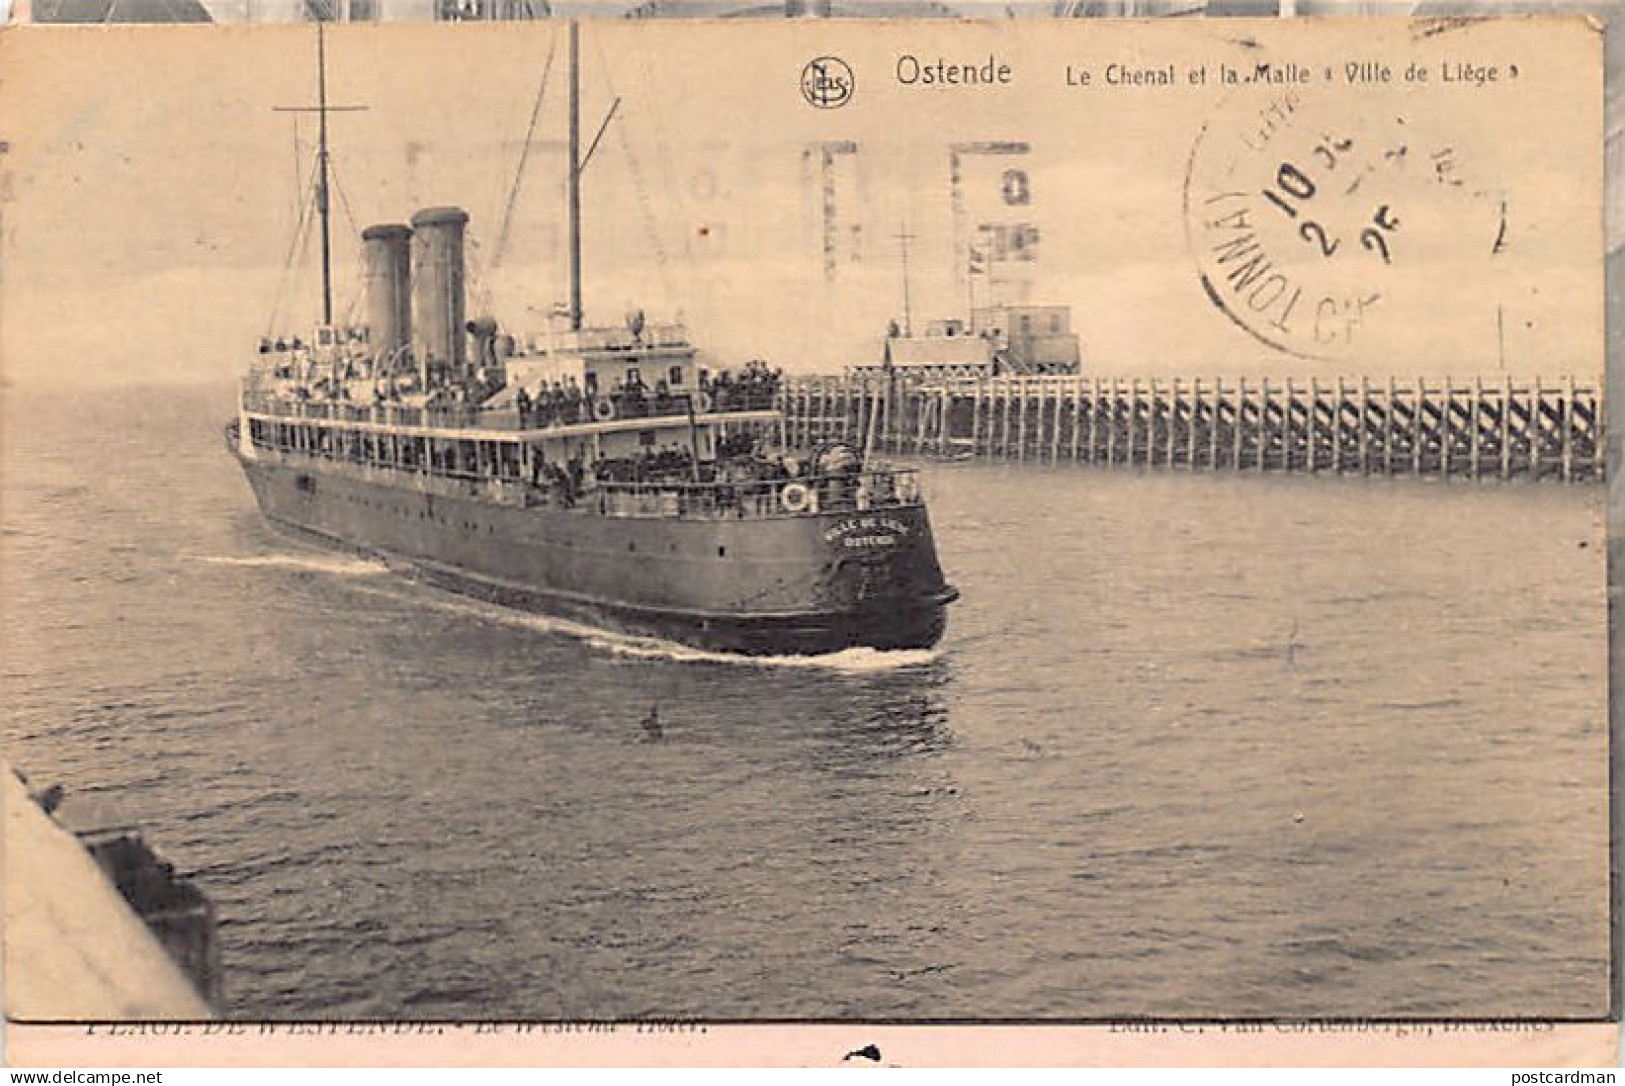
415,289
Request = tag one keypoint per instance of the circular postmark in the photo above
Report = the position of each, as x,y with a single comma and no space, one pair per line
827,82
1311,227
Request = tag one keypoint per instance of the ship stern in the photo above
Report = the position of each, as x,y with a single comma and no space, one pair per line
883,583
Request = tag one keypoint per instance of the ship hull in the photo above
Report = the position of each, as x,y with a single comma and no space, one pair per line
805,585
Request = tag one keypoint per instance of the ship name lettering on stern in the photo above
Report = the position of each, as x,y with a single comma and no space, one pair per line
877,532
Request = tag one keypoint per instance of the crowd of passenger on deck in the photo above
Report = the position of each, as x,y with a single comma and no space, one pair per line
562,403
755,388
742,480
672,463
553,403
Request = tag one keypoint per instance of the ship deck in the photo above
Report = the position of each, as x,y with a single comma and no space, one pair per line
397,421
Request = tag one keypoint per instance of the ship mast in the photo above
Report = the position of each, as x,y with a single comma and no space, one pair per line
321,182
903,238
323,166
575,177
578,164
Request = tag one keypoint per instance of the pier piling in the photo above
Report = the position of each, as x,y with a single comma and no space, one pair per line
1531,428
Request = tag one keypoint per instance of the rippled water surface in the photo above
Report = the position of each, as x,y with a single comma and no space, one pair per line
1194,745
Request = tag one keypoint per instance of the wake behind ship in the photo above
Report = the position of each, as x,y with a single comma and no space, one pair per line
596,473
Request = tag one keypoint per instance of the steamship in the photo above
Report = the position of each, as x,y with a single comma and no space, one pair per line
599,474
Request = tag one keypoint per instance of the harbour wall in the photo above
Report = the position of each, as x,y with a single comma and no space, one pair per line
98,928
1530,428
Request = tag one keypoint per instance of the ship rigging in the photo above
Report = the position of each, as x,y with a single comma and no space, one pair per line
599,473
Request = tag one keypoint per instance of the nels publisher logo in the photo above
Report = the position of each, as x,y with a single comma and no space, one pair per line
826,82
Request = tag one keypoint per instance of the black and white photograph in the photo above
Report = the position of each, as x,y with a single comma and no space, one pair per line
511,514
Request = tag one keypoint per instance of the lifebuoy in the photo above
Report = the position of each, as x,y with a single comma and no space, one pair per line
796,498
603,410
702,402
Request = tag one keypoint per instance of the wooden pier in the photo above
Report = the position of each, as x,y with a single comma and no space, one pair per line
1506,428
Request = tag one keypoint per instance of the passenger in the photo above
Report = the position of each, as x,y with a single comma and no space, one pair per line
521,403
576,479
635,395
883,488
555,403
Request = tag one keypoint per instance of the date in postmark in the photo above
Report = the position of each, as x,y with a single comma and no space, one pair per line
1304,221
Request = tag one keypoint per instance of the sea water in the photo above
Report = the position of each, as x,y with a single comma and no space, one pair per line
1214,744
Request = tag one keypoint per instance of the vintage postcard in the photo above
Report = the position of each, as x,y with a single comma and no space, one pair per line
806,540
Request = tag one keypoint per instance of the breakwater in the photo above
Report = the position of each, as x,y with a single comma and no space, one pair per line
1507,428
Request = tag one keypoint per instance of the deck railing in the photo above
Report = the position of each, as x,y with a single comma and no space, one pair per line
538,416
868,491
505,479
